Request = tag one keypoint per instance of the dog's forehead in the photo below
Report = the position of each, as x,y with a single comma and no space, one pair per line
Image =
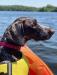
30,21
26,20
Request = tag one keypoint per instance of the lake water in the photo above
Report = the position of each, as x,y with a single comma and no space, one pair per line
46,50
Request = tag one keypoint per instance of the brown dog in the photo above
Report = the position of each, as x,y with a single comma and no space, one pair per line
19,32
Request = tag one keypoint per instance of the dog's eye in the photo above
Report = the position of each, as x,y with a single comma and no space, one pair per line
34,26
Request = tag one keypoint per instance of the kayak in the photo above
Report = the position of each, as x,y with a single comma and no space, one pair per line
36,65
29,63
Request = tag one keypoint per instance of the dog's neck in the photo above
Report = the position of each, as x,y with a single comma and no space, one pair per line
9,41
8,44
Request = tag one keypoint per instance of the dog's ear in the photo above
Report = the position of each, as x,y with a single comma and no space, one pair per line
14,34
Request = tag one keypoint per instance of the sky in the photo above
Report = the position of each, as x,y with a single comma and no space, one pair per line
32,3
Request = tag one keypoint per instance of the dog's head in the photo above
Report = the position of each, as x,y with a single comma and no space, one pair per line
24,29
33,30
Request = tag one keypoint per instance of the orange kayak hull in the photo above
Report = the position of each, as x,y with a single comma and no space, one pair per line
36,65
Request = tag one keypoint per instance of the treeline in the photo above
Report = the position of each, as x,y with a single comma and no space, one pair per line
17,8
48,8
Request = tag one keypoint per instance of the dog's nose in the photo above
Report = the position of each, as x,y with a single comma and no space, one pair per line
51,31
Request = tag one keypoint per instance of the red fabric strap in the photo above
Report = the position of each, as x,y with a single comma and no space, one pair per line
8,45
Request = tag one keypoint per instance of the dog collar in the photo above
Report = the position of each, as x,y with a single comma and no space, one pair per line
5,44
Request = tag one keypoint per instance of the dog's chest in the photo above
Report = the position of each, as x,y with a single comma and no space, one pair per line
7,54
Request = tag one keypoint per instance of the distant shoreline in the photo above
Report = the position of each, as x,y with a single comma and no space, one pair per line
48,8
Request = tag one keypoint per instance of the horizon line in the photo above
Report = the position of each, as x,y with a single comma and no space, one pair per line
27,5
